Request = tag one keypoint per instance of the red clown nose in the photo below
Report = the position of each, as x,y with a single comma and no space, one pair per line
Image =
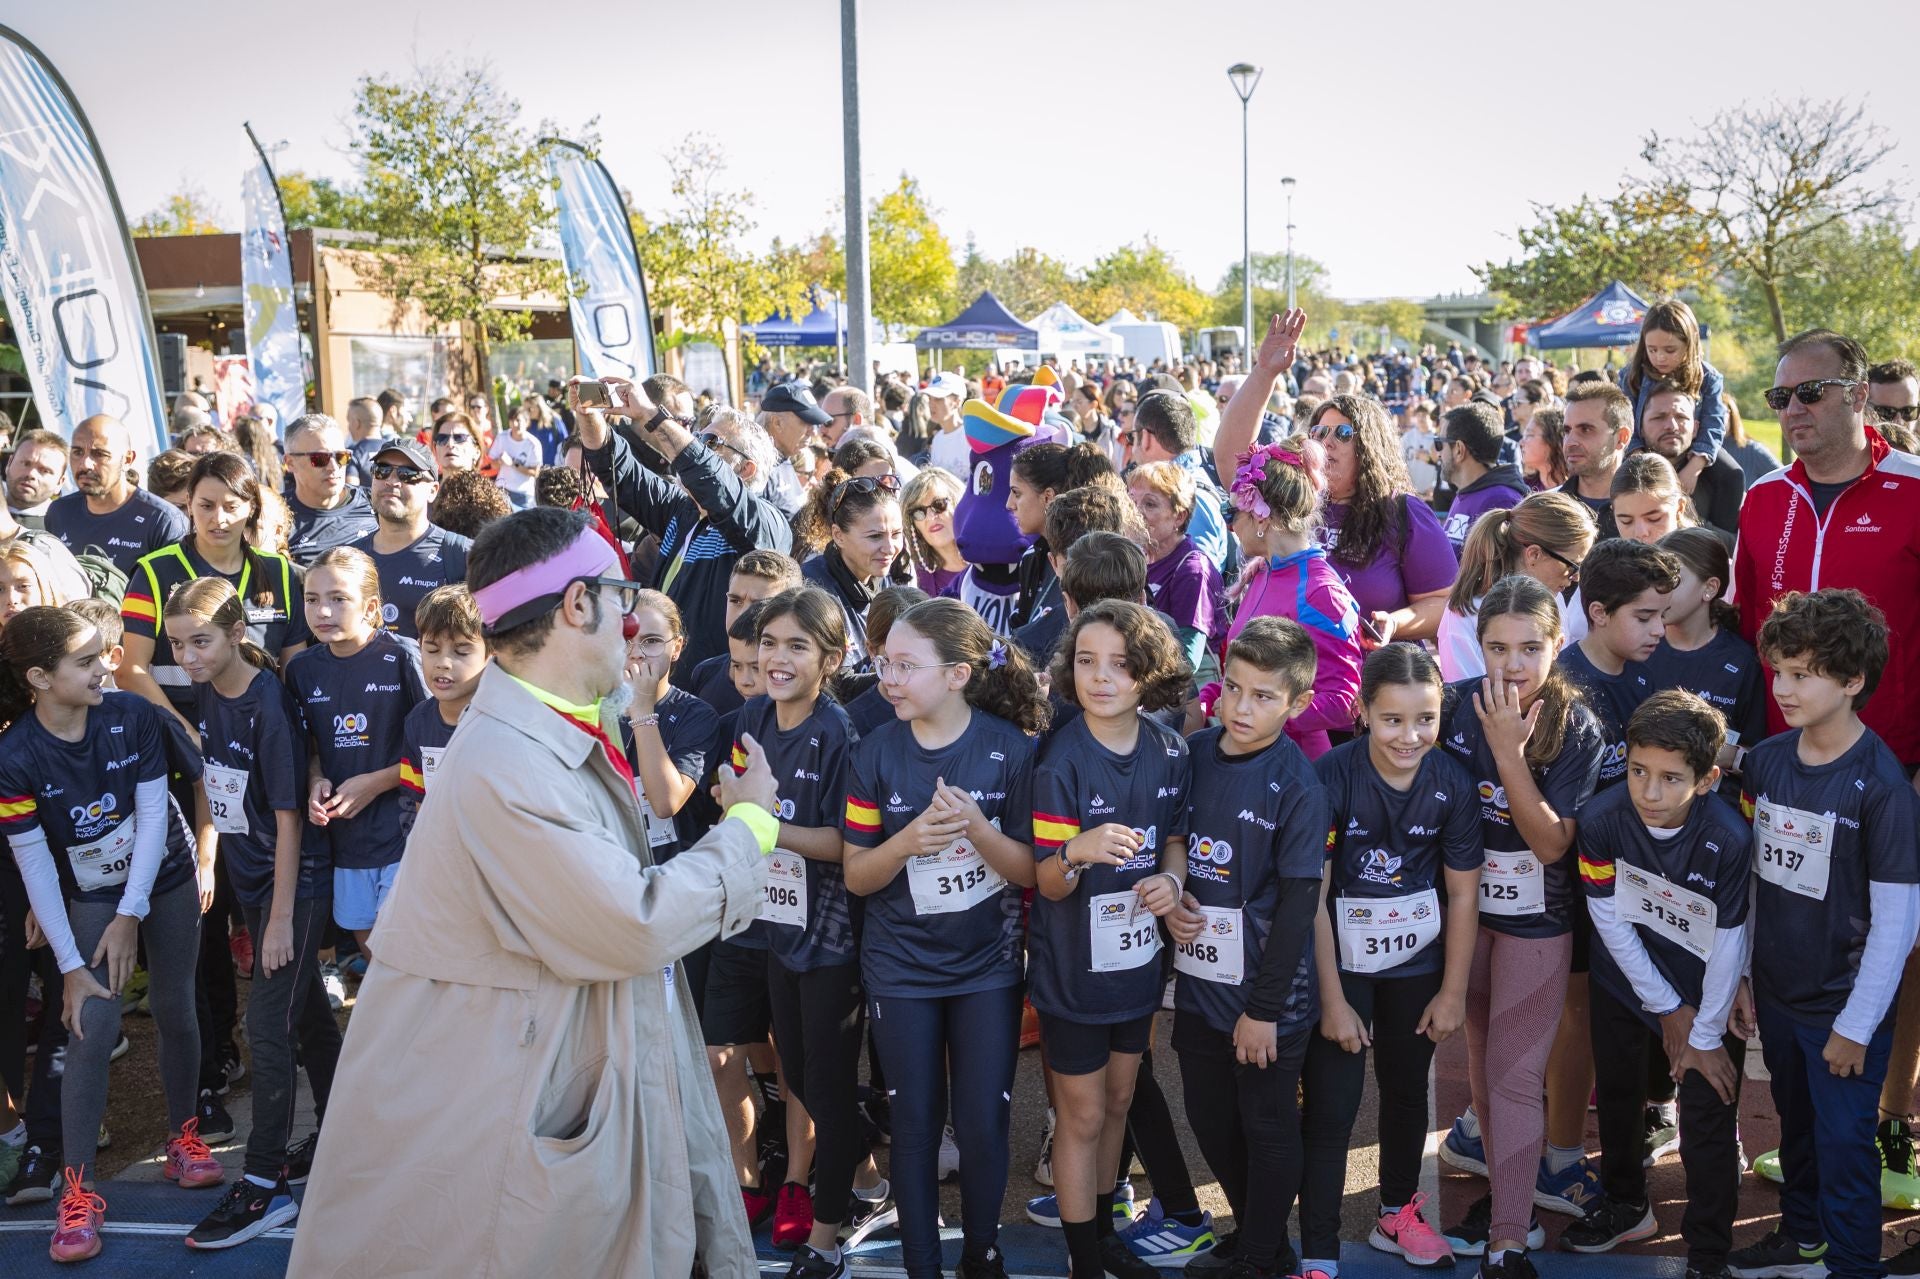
629,626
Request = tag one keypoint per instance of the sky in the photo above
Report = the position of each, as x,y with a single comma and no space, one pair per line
1418,134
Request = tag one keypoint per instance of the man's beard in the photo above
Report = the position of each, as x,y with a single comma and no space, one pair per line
617,701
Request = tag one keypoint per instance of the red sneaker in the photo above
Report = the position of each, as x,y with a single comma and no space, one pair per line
77,1237
240,944
189,1162
759,1205
792,1216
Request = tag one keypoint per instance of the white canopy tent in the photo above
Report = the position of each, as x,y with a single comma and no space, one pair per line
1064,331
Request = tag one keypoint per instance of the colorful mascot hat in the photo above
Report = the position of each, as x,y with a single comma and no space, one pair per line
983,527
1018,417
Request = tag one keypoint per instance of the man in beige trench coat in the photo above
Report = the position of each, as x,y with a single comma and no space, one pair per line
523,1089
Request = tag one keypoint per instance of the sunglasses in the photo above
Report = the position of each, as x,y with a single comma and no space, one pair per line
405,474
1573,569
340,458
1806,392
1895,412
713,441
938,506
453,439
1320,431
860,484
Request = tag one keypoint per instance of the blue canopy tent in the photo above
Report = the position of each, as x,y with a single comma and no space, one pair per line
1610,317
825,325
982,327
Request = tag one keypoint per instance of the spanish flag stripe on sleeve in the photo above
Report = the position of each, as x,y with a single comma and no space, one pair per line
1051,832
17,808
739,758
410,776
138,607
862,816
1599,874
1746,805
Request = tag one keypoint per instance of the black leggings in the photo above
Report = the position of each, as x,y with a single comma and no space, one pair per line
1151,1133
1247,1121
817,1030
1333,1081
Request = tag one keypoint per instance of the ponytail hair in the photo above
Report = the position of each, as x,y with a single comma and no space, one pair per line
1704,555
1496,545
36,637
1000,681
1521,596
1399,663
214,601
1648,472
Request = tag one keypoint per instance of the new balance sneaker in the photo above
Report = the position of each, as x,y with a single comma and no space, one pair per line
1407,1234
949,1154
334,985
792,1215
810,1263
1469,1238
1166,1243
38,1179
868,1216
1777,1257
1768,1166
1044,1210
990,1264
215,1124
189,1162
1120,1263
759,1205
1663,1130
1899,1186
246,1210
76,1236
1571,1191
1509,1265
1608,1224
300,1159
1468,1154
1043,1168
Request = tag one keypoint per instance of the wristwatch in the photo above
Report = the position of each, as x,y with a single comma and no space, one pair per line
652,424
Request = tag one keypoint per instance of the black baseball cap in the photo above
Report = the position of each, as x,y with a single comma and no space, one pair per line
411,449
792,397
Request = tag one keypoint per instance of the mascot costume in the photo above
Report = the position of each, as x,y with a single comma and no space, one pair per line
984,529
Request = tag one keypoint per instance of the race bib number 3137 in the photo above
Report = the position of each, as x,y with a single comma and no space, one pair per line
1793,848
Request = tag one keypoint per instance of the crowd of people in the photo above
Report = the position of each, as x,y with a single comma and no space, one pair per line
1331,704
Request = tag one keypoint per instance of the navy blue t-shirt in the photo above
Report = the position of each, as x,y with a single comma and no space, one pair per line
1820,834
870,711
313,532
810,765
81,795
940,926
256,744
423,738
1709,857
1079,780
1511,876
712,682
1385,843
1725,672
1252,821
437,558
356,709
1613,699
687,726
144,523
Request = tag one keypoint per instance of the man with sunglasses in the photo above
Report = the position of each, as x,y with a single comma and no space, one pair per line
413,554
327,511
1893,402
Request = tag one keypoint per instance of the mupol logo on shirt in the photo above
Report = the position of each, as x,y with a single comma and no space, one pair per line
383,688
1248,815
1164,792
802,775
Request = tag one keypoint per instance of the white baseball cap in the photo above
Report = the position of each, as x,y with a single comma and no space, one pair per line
948,384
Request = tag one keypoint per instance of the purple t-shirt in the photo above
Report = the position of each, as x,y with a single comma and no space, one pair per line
1470,506
935,581
1186,586
1416,562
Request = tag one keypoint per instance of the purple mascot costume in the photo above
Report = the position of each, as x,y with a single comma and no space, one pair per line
983,527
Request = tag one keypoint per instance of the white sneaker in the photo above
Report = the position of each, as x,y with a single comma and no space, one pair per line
949,1154
1043,1170
336,988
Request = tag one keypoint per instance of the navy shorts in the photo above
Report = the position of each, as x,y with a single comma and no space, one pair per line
1080,1048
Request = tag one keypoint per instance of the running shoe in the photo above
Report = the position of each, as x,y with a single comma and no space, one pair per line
1044,1210
245,1211
1120,1263
1165,1243
1043,1169
1899,1186
1768,1166
759,1205
1608,1224
1907,1260
1469,1238
233,1067
991,1264
189,1162
215,1124
809,1263
1468,1154
10,1157
1720,1272
1663,1130
1571,1191
38,1179
949,1154
300,1159
1511,1265
354,966
334,985
1226,1249
1407,1234
866,1217
120,1049
1777,1257
77,1236
792,1215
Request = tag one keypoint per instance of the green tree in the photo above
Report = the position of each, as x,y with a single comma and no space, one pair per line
1863,281
1310,283
1146,280
455,186
321,202
1648,236
909,258
1027,283
185,212
797,272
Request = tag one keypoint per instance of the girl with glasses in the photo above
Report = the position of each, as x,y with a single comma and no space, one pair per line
667,729
931,500
1545,537
854,524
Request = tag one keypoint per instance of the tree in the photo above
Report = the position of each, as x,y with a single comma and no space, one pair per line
910,260
186,212
1027,282
321,202
1647,235
1146,280
796,273
1768,179
1270,291
456,189
1862,281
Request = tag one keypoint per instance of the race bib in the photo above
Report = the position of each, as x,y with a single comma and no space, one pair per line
1378,933
429,763
1795,848
1512,884
1661,906
786,901
227,798
103,863
955,879
660,829
1125,933
1219,952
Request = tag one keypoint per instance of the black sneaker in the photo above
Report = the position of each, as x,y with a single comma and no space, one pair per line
989,1265
808,1263
38,1179
1512,1265
1469,1238
877,1109
1609,1223
244,1211
1777,1257
1218,1258
234,1068
1720,1272
867,1216
300,1159
1235,1269
216,1125
1120,1263
1905,1262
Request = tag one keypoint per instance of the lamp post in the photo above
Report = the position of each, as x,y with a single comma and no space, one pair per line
1245,77
1287,184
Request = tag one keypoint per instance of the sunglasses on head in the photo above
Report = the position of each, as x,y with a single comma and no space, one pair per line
395,471
1806,392
860,484
338,458
1895,412
938,506
1320,431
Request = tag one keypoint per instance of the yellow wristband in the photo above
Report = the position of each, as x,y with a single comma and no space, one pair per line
764,826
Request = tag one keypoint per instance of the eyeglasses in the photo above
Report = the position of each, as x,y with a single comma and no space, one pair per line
650,647
1573,569
901,672
1806,392
453,439
860,484
629,592
1320,431
713,441
404,474
339,458
1895,412
938,506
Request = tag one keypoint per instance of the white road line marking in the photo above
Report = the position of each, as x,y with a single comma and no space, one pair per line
1430,1157
150,1229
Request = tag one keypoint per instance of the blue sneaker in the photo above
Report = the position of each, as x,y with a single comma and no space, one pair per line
1044,1210
1571,1191
1159,1240
1468,1154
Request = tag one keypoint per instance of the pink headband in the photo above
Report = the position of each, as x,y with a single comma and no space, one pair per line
589,555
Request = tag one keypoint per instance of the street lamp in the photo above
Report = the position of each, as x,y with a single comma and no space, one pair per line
1245,77
1287,184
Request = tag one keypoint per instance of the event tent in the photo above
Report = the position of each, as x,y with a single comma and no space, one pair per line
1064,331
823,326
1610,317
983,326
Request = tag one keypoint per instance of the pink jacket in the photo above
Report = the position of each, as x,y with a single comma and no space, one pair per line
1304,587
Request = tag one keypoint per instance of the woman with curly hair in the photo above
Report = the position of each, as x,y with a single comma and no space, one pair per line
1541,459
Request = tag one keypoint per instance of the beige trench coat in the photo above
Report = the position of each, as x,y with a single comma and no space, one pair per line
523,1089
